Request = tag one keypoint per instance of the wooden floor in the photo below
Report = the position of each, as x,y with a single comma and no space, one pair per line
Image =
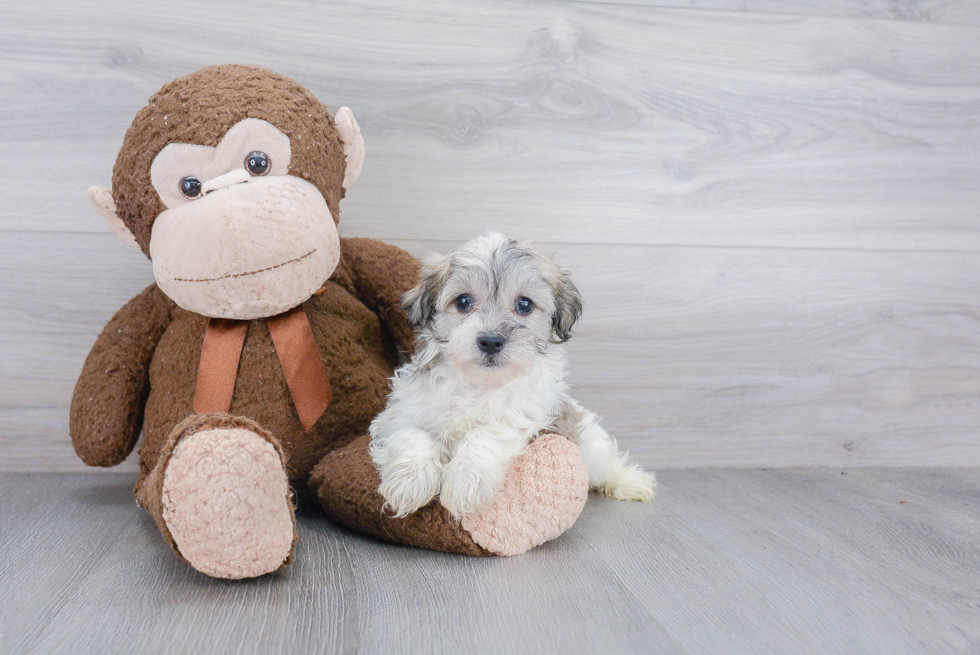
751,561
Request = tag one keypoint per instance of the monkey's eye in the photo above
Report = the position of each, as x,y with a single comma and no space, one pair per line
524,305
190,186
258,163
463,302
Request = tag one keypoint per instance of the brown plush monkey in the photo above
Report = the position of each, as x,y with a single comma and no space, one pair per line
254,364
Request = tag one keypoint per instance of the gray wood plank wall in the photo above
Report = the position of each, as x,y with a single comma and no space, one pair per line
772,206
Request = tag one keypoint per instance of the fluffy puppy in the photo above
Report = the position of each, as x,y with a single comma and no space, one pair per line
488,375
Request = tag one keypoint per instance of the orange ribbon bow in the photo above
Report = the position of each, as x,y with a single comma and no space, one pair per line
292,337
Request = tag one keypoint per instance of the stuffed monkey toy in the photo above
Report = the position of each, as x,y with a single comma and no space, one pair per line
255,363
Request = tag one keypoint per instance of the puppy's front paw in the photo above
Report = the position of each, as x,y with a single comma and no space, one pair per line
467,489
408,485
630,483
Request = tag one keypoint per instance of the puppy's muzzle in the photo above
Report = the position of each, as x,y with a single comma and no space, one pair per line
491,343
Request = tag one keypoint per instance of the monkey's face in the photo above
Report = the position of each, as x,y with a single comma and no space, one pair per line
241,238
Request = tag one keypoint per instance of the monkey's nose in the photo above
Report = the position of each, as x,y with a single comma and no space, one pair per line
490,342
236,176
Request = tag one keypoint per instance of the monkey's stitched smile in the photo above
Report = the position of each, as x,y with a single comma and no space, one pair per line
234,275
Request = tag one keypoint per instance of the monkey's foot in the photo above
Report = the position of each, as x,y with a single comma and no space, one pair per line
224,499
543,495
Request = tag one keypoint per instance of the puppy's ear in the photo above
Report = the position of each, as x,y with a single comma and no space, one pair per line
568,307
420,301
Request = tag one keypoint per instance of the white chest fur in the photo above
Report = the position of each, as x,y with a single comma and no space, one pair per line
447,406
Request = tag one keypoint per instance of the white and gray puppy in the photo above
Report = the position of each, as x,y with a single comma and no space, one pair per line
488,375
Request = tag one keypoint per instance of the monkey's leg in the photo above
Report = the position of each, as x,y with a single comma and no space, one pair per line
220,496
543,495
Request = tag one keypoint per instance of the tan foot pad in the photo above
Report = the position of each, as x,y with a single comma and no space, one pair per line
226,503
543,494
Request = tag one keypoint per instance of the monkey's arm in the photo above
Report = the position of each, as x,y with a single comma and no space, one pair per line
107,406
382,274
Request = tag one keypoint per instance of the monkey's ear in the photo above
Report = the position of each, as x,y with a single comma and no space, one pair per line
350,134
106,206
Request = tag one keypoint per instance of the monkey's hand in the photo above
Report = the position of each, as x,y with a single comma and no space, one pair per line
382,274
107,406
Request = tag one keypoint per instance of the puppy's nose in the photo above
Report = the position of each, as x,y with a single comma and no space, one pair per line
490,342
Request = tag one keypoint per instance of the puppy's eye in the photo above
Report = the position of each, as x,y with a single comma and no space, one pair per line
190,187
524,305
463,302
258,163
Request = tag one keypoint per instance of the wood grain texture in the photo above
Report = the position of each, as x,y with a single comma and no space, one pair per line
565,122
801,561
770,205
953,12
694,356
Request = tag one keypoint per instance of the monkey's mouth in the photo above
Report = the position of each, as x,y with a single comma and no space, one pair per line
255,272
